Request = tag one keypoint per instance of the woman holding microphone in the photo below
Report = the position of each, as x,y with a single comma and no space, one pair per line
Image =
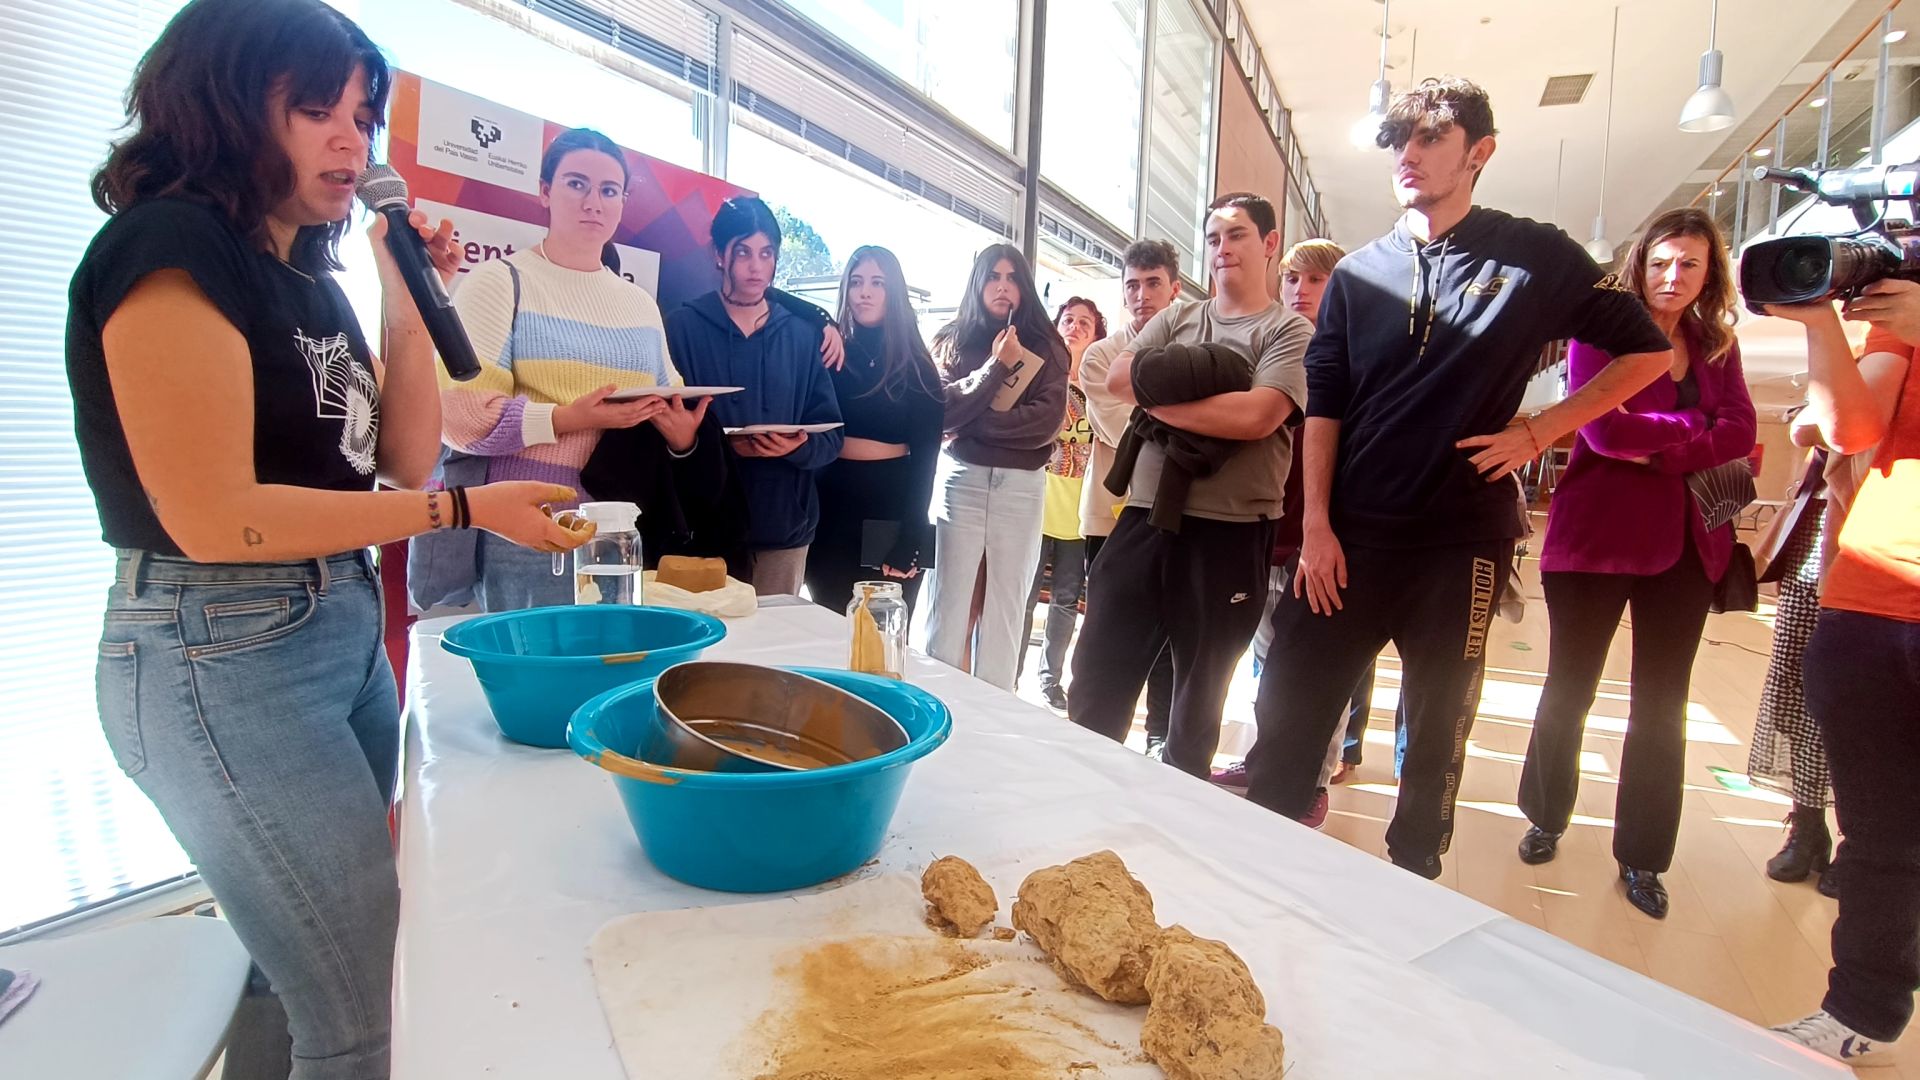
232,423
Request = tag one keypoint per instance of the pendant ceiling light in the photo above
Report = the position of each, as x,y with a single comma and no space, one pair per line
1598,247
1366,130
1709,109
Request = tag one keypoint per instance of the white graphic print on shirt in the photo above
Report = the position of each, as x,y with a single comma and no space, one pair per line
345,391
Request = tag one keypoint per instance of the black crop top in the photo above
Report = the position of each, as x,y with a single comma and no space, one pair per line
913,419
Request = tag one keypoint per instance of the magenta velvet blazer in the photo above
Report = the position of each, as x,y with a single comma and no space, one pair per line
1611,515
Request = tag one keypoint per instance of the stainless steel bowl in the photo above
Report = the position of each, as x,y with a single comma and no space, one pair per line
726,717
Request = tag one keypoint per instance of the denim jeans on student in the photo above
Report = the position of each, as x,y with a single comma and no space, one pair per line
1069,561
983,512
255,706
513,577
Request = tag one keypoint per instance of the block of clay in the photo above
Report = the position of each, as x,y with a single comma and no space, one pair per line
959,898
691,574
1095,922
1207,1020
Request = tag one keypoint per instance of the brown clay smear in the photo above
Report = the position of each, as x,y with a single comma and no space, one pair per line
895,1008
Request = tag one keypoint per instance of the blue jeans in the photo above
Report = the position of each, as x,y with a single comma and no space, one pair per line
991,515
255,706
1069,559
513,577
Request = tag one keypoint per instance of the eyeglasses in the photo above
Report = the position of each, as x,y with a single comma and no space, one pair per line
579,189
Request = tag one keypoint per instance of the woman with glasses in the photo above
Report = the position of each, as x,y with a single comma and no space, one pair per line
557,332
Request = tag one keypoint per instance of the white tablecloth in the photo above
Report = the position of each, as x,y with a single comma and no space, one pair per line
511,858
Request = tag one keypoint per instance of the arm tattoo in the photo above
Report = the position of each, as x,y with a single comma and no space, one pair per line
252,536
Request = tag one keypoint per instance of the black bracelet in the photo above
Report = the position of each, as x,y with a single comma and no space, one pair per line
463,512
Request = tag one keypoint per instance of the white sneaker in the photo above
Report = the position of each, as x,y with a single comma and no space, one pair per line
1823,1034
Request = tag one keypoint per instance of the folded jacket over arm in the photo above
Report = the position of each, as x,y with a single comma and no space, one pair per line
1171,375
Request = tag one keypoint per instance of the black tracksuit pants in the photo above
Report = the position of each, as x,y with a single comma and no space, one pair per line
1159,680
1435,606
1198,593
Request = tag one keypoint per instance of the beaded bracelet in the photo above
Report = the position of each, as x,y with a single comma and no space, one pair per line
433,510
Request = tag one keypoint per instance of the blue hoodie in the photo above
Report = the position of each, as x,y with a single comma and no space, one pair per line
785,384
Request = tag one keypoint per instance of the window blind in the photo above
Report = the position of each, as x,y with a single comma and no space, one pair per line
670,35
73,830
803,103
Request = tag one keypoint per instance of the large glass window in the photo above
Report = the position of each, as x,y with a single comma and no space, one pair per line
73,830
1180,122
1070,263
963,56
1090,117
844,208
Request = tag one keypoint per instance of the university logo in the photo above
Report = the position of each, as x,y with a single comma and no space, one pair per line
485,132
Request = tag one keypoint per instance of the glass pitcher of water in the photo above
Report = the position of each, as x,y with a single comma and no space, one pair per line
607,568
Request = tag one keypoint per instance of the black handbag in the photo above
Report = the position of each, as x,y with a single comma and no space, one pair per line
1738,588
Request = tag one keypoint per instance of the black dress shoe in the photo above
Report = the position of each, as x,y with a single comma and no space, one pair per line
1829,883
1055,698
1645,891
1539,846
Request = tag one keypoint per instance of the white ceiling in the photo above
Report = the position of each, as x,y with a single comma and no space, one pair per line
1324,54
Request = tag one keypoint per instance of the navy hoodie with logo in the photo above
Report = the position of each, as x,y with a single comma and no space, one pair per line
784,383
1422,345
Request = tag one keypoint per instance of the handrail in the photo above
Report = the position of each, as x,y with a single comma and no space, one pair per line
1812,87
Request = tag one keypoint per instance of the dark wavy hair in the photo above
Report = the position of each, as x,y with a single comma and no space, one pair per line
1099,320
1714,310
737,219
1440,103
974,326
201,126
904,360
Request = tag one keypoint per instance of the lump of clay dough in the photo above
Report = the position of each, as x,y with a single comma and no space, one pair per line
960,899
1095,921
1207,1020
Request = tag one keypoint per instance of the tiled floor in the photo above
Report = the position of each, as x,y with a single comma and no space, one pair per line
1735,938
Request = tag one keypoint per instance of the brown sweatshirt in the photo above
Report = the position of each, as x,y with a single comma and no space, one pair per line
1021,437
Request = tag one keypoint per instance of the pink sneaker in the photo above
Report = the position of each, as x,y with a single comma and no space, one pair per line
1233,776
1317,815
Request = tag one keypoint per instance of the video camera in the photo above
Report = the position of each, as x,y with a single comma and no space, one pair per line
1805,269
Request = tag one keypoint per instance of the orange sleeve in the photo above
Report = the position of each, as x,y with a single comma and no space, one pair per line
1881,340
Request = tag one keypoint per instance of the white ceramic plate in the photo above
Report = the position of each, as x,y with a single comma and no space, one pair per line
783,429
635,393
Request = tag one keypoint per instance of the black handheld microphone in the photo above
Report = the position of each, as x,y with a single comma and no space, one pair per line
384,192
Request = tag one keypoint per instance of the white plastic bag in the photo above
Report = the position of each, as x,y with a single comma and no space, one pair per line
734,600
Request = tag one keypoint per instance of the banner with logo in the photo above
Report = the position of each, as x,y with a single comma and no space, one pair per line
477,163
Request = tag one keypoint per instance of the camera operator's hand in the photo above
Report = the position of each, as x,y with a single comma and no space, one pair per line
1892,305
1814,314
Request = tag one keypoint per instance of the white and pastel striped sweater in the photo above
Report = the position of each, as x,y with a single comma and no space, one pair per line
575,331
